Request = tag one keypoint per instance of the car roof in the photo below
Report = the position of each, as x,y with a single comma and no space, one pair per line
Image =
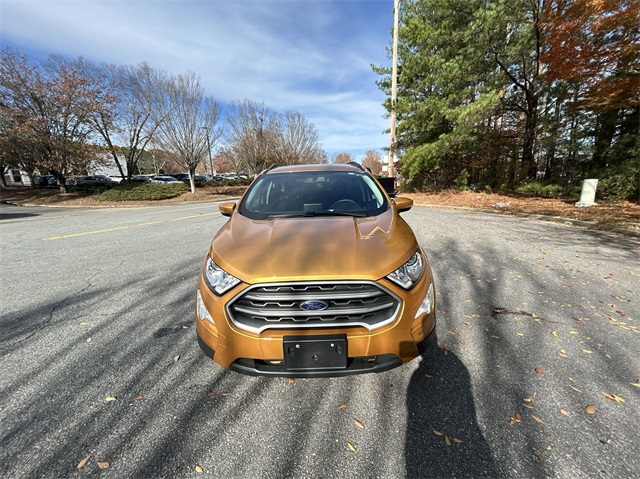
318,167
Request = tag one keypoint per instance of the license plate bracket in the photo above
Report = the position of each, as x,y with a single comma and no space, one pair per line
303,353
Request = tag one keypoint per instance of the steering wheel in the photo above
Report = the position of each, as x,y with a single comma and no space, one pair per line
345,205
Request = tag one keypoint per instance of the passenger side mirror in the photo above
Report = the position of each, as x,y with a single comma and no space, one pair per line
403,204
228,208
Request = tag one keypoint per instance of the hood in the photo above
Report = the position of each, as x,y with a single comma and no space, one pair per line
313,248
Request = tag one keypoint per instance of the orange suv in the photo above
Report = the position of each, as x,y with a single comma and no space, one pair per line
315,274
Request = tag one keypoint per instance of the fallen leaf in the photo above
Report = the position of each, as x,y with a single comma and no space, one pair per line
565,413
447,441
211,393
138,398
519,334
110,398
527,399
555,334
590,409
512,421
496,337
637,383
359,424
437,433
527,406
518,417
428,376
176,358
351,447
83,323
89,340
226,394
562,353
199,470
576,389
613,397
538,370
82,463
536,418
343,405
587,351
458,441
549,447
291,380
103,464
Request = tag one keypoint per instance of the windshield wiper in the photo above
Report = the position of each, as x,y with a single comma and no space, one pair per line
311,214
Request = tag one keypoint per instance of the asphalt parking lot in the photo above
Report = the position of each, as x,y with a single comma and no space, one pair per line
535,373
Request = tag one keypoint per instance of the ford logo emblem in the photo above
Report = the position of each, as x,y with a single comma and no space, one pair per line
314,305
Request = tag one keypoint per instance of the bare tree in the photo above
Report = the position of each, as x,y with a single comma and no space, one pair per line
251,134
373,161
191,127
296,140
342,158
142,104
51,106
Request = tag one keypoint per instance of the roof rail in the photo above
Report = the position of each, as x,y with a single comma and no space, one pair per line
271,167
363,168
357,165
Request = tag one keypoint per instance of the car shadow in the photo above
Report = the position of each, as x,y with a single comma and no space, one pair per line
443,437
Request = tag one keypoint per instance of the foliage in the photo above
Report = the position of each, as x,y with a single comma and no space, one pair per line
127,191
540,188
47,109
516,90
461,181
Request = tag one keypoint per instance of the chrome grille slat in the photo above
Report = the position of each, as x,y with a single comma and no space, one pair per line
277,306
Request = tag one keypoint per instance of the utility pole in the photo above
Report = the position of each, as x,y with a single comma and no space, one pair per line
394,86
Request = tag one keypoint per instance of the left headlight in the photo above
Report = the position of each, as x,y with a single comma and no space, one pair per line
218,280
409,273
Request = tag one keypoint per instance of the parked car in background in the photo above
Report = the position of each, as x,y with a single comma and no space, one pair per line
94,180
141,178
184,177
165,180
45,181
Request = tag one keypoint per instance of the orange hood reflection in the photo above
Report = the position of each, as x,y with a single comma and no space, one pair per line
315,248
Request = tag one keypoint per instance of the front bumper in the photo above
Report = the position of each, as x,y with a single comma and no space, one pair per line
376,350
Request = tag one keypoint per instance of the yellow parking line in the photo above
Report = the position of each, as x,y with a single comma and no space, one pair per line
118,228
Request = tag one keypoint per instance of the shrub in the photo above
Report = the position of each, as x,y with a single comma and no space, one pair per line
539,188
460,183
142,191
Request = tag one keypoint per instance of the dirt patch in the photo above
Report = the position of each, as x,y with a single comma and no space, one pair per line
624,215
619,215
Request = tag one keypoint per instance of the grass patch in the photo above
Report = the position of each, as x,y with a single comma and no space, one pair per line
142,192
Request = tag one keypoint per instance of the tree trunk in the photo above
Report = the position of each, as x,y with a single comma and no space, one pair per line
605,131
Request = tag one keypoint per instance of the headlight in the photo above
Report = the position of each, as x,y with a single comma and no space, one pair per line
409,273
218,280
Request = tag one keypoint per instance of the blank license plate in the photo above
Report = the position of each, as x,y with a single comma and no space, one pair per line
315,352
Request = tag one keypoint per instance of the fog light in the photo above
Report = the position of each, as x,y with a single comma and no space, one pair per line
201,310
428,302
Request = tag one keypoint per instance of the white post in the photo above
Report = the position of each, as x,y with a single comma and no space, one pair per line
588,194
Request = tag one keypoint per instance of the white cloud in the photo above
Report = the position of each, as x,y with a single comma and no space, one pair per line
310,56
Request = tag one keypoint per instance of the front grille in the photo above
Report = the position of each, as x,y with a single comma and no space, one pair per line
278,306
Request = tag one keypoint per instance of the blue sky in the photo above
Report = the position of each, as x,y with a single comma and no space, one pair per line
311,56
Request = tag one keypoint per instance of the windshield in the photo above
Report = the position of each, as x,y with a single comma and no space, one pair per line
313,193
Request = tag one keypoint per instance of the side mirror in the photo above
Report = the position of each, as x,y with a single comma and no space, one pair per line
228,208
403,204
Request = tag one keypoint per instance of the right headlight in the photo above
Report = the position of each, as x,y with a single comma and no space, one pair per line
218,280
409,273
